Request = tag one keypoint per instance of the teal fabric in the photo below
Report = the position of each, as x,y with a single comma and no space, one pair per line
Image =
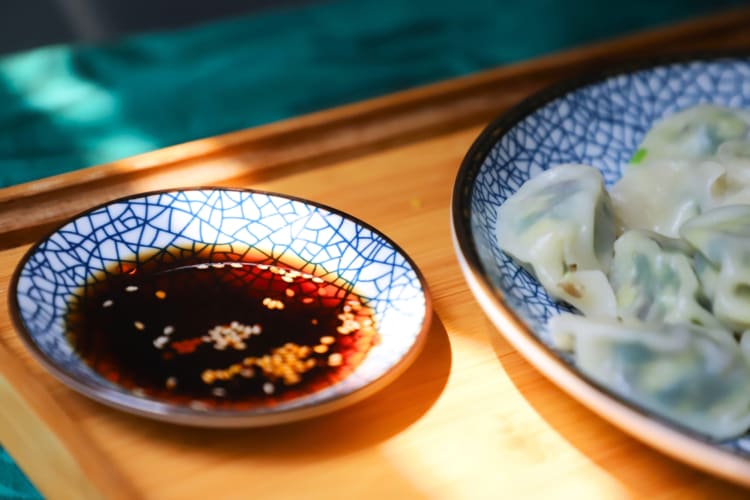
13,484
66,107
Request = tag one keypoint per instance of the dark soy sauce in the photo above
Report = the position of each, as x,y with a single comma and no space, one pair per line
218,331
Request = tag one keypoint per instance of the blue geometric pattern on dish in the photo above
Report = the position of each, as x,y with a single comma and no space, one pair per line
330,244
599,124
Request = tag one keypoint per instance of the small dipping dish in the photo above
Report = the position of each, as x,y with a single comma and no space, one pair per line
220,307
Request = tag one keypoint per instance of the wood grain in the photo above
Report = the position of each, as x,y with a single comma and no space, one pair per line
470,419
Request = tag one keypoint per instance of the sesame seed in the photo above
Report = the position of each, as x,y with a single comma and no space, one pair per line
236,265
217,265
160,294
314,321
168,330
138,325
219,392
335,359
316,279
159,342
202,266
289,292
131,288
320,348
327,340
171,382
268,388
108,303
287,279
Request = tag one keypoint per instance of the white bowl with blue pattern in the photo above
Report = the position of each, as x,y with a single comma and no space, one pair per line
328,241
597,120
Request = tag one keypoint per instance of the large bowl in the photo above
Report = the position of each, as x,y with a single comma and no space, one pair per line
597,120
325,243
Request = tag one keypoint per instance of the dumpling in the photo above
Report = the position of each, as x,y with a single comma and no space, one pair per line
688,163
692,134
722,236
707,275
693,376
559,225
745,344
654,281
735,156
660,196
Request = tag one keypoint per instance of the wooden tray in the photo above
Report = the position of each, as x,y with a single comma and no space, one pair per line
469,419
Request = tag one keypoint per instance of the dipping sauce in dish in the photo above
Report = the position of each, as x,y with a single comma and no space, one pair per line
219,330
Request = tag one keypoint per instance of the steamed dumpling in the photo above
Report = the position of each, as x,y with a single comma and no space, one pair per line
694,133
559,225
654,281
707,274
661,196
735,156
688,163
722,236
694,376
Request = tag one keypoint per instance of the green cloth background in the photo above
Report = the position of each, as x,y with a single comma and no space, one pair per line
68,107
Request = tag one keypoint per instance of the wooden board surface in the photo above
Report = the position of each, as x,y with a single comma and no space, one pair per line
470,418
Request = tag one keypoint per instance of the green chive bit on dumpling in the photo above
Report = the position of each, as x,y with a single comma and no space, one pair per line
560,226
654,281
722,236
694,133
693,376
639,156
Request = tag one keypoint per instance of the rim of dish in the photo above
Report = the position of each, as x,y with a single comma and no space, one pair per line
587,391
185,415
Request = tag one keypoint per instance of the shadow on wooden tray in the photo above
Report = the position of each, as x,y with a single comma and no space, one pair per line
601,442
348,430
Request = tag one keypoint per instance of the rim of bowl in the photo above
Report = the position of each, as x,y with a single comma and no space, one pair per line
184,415
598,398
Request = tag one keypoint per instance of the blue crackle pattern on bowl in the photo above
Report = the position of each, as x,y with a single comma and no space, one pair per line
599,124
330,244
